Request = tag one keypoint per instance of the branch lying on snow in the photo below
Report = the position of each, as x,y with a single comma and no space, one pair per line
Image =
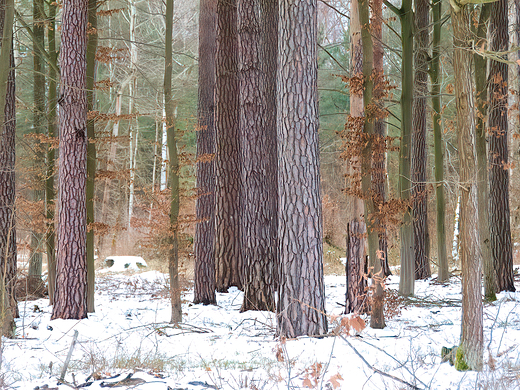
376,370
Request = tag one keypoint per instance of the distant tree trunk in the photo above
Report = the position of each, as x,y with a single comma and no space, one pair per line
471,343
356,294
257,172
229,257
379,163
38,41
133,128
71,282
205,208
50,163
419,154
91,150
500,228
8,304
173,268
490,285
301,293
406,282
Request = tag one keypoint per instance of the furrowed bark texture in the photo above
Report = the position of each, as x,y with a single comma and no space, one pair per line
406,282
355,266
500,227
419,154
91,150
257,170
8,251
205,229
71,282
228,255
301,299
472,322
490,285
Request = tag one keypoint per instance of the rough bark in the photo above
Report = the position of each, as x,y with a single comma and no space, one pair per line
472,338
228,242
301,293
8,306
50,163
91,150
257,170
482,158
499,224
356,271
442,252
406,282
419,153
71,283
205,208
173,263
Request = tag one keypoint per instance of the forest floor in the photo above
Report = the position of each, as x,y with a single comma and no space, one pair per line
129,342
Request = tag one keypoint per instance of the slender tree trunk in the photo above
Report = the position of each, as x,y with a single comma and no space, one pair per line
91,150
205,208
377,320
471,344
5,53
71,282
50,163
419,153
8,253
356,301
482,159
229,257
500,227
406,282
175,290
301,293
435,75
257,172
134,122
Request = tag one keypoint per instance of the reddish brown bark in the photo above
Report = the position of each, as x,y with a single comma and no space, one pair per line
71,283
228,243
205,209
301,292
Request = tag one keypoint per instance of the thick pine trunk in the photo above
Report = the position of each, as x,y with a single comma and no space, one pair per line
419,153
71,283
205,208
442,252
301,293
173,263
257,171
8,304
472,338
228,214
482,158
91,150
500,227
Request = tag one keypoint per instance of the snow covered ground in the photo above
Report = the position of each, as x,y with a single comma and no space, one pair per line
218,347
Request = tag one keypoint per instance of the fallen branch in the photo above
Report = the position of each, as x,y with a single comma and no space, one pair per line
69,355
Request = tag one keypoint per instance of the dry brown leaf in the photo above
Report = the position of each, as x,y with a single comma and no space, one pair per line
334,380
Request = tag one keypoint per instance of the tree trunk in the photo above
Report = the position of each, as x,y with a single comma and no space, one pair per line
406,282
500,228
71,282
471,343
356,271
419,154
91,151
8,253
257,171
435,75
205,208
50,194
229,257
482,159
301,293
133,128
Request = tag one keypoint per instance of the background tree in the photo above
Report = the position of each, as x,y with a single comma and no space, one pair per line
71,282
301,293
